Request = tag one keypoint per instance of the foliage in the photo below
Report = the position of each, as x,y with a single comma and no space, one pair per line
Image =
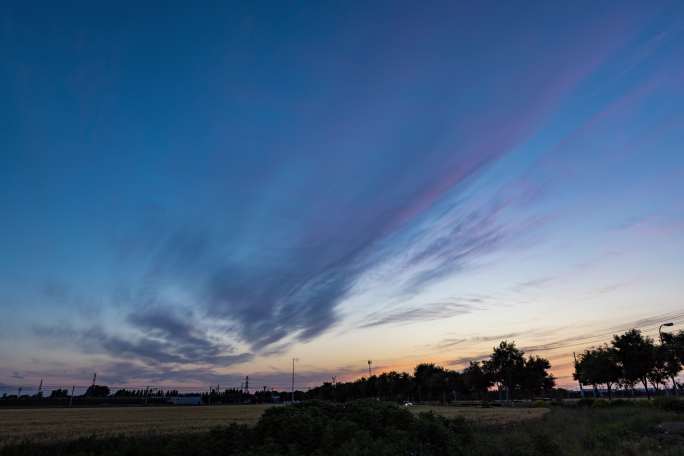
97,391
507,367
476,379
59,393
635,355
631,359
309,428
598,366
376,428
669,403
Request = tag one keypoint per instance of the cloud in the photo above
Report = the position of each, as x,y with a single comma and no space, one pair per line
494,338
271,241
425,312
121,373
290,292
534,283
465,360
161,337
450,342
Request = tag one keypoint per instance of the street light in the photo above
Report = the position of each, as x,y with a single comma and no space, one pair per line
293,363
660,330
660,333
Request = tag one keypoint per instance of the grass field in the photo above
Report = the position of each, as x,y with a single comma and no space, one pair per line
68,423
364,427
60,423
486,416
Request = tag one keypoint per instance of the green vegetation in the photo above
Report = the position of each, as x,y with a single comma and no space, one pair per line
507,368
377,428
633,359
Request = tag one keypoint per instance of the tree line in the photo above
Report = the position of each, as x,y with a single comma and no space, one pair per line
507,371
631,360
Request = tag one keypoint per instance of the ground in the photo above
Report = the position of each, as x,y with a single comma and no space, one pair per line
67,423
491,415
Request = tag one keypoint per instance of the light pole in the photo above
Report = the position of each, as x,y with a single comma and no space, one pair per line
293,363
369,367
660,334
660,330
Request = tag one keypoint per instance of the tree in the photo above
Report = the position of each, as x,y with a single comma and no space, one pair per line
59,393
455,384
673,347
665,366
635,354
504,366
97,391
534,378
598,366
476,380
431,381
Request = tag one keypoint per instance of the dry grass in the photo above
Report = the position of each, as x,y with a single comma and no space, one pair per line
487,416
63,423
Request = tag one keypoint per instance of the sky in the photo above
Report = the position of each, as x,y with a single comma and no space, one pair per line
190,195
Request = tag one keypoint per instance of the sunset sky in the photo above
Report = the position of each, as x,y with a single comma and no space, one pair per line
189,196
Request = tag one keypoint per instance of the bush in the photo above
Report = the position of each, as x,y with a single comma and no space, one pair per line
621,403
539,404
669,403
600,403
372,428
585,402
356,428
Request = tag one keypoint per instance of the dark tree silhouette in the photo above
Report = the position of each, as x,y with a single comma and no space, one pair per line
97,391
476,380
598,366
635,355
505,366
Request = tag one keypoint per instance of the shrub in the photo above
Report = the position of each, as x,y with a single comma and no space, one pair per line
600,403
669,403
585,402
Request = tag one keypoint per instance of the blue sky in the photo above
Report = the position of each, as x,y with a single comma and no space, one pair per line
190,195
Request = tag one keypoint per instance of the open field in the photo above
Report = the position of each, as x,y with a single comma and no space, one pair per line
62,423
68,423
365,427
495,416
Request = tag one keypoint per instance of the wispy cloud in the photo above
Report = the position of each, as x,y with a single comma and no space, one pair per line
534,284
160,338
425,312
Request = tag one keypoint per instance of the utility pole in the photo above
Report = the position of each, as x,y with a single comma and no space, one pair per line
71,398
247,384
40,388
94,378
579,380
369,367
293,365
